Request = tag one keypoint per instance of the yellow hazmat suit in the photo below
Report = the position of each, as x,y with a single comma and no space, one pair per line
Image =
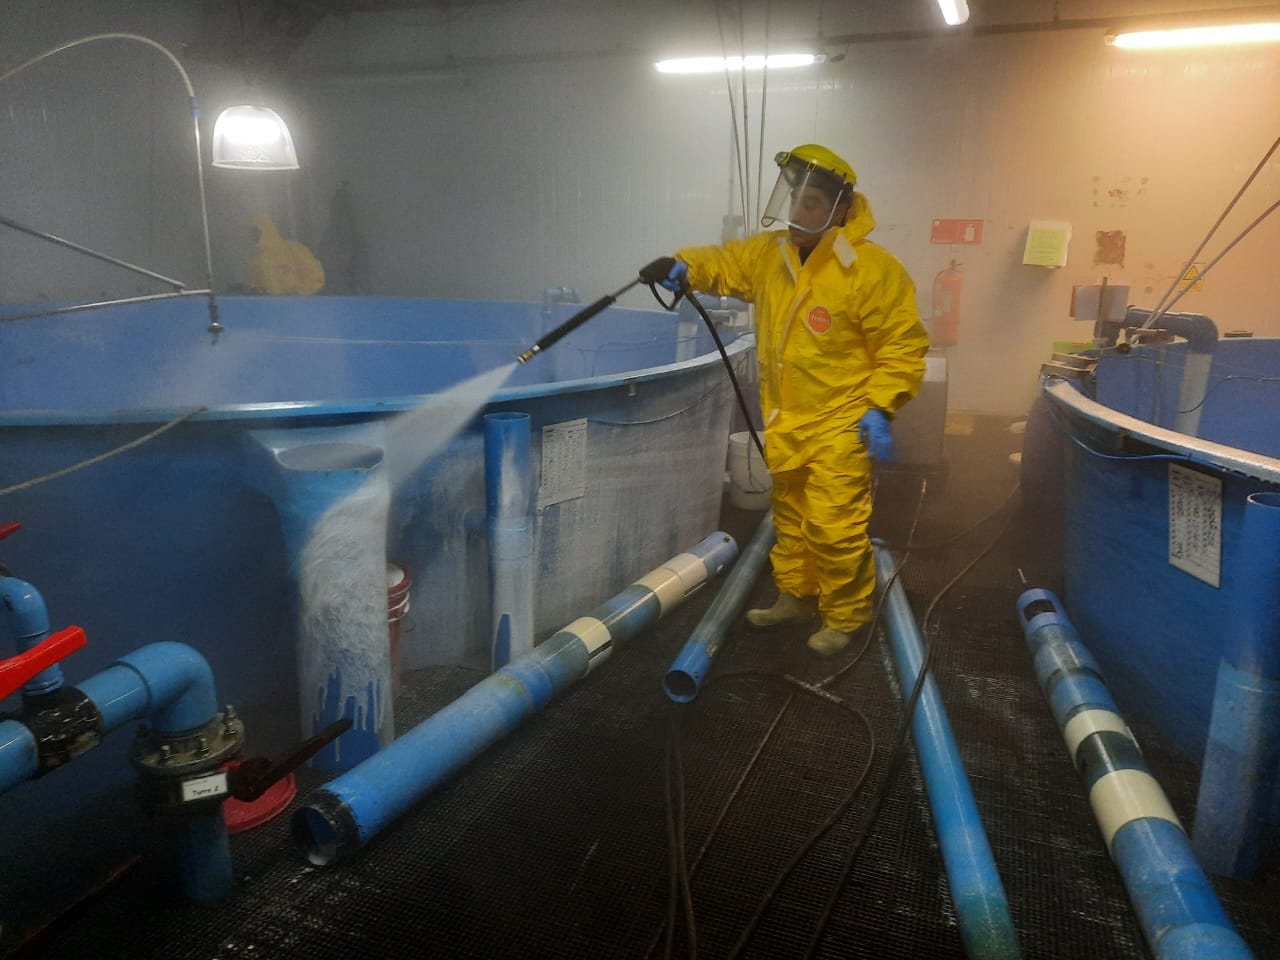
835,337
279,266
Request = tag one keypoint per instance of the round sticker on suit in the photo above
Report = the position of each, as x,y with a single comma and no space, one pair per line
818,321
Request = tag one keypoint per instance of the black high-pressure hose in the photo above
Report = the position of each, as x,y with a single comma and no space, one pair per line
653,274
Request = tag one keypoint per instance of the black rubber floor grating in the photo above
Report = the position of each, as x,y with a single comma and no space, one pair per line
552,844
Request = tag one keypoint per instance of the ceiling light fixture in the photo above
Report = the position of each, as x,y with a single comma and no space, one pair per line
1196,36
252,138
955,12
774,61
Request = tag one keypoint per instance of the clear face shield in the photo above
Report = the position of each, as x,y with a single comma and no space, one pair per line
805,198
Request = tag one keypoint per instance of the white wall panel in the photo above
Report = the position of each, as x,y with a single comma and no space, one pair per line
497,149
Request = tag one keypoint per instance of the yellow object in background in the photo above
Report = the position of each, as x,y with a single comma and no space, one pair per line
280,266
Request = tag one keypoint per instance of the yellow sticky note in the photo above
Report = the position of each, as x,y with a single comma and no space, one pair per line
1047,242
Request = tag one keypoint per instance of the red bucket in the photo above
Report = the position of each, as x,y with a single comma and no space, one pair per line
398,583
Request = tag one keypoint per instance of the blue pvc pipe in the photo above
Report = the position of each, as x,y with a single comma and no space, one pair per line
204,855
693,663
508,479
986,926
28,620
172,685
1238,810
19,759
1201,334
346,813
1180,915
332,492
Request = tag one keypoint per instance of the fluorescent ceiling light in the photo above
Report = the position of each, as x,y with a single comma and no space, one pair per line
955,12
775,61
252,138
1197,36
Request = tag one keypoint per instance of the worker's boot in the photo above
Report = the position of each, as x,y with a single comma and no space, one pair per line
829,641
786,609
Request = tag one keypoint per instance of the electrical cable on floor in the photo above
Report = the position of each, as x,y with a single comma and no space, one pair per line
898,751
820,689
676,819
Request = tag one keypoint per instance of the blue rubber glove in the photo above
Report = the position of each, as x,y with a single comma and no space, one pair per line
874,432
678,278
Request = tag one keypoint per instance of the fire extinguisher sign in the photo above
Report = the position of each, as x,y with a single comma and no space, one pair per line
956,231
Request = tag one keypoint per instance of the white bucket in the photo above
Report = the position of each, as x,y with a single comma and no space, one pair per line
749,480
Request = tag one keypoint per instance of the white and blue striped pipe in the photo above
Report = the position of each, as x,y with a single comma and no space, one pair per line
1238,809
339,818
1180,915
508,483
986,926
690,667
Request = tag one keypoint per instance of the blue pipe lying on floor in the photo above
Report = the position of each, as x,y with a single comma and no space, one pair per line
346,813
986,926
691,665
1180,915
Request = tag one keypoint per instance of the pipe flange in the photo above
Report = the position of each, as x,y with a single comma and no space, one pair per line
184,773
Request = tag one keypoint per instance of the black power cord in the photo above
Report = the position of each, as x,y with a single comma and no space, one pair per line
680,872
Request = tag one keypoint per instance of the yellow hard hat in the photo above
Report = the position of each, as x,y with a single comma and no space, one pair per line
814,155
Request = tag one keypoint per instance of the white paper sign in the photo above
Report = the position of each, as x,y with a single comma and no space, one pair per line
1195,524
564,462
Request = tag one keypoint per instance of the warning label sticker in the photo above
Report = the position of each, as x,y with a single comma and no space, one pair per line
564,462
1195,524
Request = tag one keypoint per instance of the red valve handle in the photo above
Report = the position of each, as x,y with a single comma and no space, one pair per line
16,671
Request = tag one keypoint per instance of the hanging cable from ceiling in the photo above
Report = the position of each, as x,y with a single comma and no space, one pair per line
764,99
733,118
749,199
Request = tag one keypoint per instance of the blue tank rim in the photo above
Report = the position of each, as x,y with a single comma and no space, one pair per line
1069,397
365,407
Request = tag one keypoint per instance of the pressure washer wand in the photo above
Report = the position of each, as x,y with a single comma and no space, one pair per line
574,322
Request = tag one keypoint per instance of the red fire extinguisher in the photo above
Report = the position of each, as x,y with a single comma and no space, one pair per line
944,328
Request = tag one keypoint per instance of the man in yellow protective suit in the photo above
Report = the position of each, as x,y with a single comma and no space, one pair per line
280,266
840,348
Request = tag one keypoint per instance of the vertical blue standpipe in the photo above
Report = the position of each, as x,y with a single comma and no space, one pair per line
986,926
333,497
1238,810
1201,334
346,813
508,481
172,685
690,667
1180,915
28,620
